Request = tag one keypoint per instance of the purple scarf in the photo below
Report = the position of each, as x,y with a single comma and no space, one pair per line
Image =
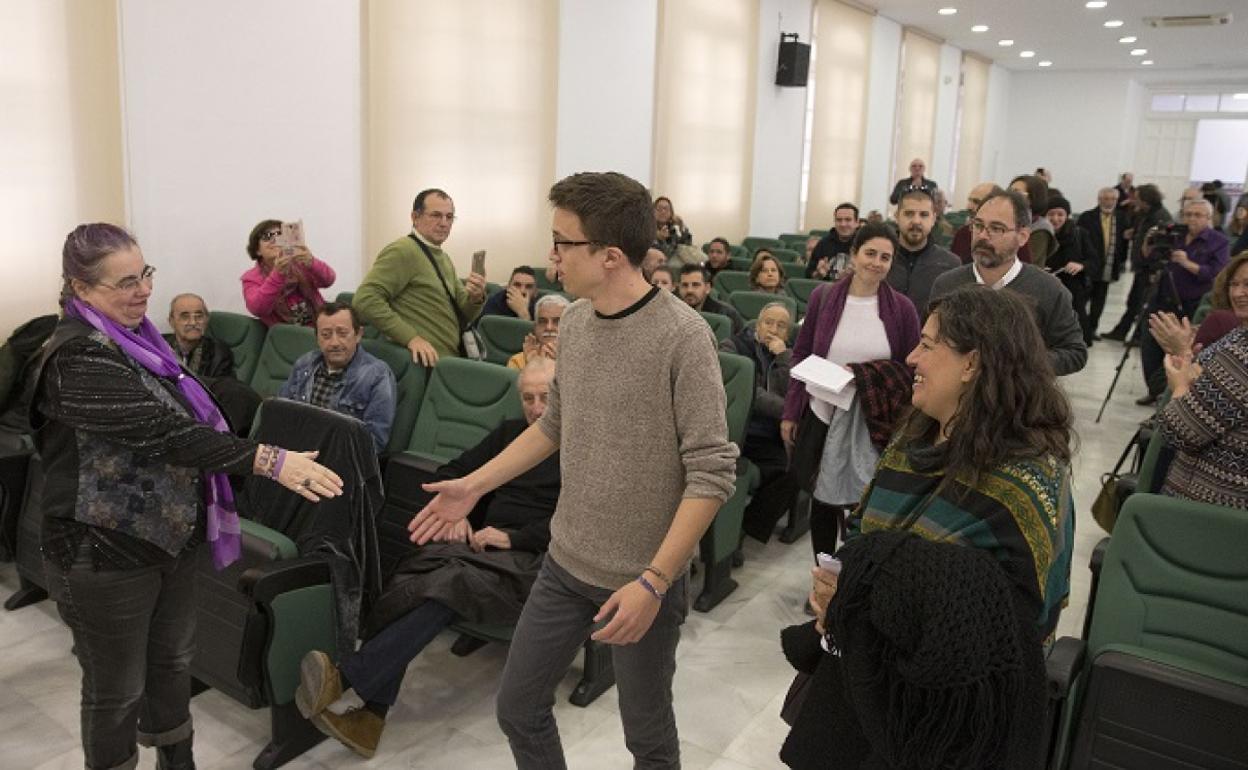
146,346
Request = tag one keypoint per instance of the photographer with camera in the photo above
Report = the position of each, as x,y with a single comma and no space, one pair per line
1147,213
1190,256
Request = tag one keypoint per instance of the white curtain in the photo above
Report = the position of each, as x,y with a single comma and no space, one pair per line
973,115
917,88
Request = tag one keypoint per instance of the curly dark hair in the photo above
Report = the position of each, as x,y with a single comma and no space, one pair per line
253,240
1014,408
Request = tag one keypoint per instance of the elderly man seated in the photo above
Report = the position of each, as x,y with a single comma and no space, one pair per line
544,341
483,573
341,377
200,354
766,344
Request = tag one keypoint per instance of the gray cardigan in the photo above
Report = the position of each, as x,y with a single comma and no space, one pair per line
1054,312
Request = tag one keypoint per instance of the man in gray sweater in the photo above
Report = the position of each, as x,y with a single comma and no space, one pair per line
637,412
998,230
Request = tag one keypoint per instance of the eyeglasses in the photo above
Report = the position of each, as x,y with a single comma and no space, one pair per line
131,284
556,243
995,229
438,216
271,235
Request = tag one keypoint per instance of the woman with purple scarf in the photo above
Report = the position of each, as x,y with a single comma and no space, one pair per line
136,456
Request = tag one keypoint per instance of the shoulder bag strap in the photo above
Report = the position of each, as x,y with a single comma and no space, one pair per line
459,315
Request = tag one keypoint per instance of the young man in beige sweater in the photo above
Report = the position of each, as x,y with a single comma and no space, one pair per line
641,483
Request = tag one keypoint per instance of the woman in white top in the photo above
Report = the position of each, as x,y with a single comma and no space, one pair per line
835,438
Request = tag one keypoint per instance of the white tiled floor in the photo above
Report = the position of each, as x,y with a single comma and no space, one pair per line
730,680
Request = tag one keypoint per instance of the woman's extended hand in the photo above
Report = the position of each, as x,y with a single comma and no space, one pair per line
307,478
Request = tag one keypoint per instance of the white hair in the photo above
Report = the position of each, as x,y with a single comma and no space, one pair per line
550,299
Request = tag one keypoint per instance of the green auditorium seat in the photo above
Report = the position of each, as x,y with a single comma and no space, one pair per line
721,325
245,336
410,379
1161,680
820,233
800,289
740,264
788,256
723,538
543,282
728,281
463,401
739,252
282,347
750,303
345,297
795,242
503,336
755,242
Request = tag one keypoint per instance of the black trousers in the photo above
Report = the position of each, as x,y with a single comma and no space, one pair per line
1140,286
827,527
1100,289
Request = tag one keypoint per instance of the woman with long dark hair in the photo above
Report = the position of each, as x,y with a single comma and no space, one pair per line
136,456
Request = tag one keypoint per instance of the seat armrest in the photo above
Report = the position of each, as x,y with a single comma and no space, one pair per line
266,582
1098,556
1063,664
414,461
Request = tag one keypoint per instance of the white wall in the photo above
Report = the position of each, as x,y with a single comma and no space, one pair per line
877,181
780,117
232,115
996,129
1079,125
606,87
940,166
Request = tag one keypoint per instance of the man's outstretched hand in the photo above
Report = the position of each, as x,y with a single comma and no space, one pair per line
453,500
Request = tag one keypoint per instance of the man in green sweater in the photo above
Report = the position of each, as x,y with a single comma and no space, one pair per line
412,295
636,411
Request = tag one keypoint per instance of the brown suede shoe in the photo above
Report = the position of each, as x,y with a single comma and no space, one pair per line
358,730
319,684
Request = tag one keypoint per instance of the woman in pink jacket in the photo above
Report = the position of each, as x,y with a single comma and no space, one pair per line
280,288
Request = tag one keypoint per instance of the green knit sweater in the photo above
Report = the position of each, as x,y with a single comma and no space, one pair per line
1022,512
402,297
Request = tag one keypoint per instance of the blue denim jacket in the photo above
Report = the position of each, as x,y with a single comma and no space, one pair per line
367,393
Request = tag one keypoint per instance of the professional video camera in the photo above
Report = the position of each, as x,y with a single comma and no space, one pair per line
1160,241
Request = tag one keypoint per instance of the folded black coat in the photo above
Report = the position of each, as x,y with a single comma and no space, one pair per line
342,530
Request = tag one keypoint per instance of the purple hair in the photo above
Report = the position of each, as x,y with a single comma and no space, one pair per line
85,248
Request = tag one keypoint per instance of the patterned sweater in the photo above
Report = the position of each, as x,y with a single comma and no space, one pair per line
1209,428
1022,512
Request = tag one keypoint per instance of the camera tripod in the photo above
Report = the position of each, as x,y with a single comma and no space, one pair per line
1141,323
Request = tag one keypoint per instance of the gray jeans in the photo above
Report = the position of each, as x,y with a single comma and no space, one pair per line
134,632
557,618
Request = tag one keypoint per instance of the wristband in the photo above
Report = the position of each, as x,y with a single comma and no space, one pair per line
646,584
277,464
659,574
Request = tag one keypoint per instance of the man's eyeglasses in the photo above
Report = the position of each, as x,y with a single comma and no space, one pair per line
131,284
438,216
271,235
556,243
995,229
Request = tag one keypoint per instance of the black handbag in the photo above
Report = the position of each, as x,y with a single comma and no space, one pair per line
808,449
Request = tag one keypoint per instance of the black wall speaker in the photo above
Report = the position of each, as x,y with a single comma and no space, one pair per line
794,62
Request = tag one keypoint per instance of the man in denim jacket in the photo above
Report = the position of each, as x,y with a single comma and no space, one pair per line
342,377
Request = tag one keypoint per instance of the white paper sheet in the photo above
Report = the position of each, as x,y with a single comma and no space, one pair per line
820,372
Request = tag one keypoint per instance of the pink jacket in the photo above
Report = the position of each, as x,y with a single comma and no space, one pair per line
265,293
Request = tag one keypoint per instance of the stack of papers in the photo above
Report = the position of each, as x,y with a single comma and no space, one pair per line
826,381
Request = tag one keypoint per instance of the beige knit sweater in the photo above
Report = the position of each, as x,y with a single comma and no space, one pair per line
637,410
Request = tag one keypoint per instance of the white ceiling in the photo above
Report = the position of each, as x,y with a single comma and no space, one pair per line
1073,37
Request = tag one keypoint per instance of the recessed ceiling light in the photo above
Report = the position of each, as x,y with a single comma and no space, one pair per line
1026,54
1045,63
980,28
1114,23
1005,43
1127,39
1138,51
947,11
1147,62
1095,4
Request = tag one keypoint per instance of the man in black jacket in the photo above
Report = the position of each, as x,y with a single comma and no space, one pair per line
918,261
205,357
695,290
481,573
1105,224
831,254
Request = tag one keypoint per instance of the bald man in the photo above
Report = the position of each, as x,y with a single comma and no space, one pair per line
203,356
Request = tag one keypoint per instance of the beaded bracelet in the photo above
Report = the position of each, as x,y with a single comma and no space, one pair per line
278,463
659,574
264,460
646,584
